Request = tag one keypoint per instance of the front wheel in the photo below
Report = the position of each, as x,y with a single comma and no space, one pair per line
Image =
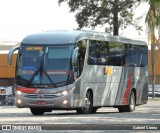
87,109
37,111
94,109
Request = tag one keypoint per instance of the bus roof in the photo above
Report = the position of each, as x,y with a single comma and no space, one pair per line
70,37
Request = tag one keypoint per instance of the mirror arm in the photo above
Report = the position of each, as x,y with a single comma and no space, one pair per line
10,54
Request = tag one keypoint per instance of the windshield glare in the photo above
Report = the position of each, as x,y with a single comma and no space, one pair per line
43,65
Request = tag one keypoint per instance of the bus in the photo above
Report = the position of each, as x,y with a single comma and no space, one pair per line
80,70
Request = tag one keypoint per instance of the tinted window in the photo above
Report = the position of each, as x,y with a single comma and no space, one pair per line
82,51
136,56
117,54
98,53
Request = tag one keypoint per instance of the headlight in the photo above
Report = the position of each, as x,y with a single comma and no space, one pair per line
19,92
65,92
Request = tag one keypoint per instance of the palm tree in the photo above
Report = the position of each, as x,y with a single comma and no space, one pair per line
153,22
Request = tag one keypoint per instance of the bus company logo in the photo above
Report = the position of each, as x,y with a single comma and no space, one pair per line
108,71
40,96
6,127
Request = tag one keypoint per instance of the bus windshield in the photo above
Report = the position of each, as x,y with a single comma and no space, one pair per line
43,66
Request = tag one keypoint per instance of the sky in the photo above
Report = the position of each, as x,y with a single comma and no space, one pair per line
18,18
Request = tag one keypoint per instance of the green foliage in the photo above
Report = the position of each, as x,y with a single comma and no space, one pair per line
115,13
153,19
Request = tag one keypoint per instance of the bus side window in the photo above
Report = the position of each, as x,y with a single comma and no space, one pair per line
98,53
82,51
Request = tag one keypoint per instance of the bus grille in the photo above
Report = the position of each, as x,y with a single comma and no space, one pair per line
41,96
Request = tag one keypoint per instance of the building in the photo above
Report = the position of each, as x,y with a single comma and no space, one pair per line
7,72
157,65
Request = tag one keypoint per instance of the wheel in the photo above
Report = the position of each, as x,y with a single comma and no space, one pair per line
87,109
122,108
37,111
131,106
94,109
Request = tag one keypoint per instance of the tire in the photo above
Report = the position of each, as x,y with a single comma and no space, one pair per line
94,109
122,109
87,109
131,106
37,111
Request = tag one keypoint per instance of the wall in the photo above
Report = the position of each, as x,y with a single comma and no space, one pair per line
6,70
157,66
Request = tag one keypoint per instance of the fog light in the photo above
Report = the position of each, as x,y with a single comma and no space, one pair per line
19,101
65,102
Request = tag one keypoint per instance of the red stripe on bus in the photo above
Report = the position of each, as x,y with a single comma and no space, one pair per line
127,88
26,90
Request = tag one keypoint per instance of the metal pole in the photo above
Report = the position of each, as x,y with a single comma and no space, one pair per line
153,69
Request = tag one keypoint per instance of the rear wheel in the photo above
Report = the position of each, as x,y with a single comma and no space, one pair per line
131,106
87,109
37,111
122,109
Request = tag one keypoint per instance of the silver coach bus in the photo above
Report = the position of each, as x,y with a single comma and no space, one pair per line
80,70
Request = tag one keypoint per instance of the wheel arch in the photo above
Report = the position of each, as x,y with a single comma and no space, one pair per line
88,102
91,91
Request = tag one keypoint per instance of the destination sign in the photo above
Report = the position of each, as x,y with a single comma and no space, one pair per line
33,48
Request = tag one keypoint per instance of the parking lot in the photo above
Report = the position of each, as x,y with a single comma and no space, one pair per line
144,115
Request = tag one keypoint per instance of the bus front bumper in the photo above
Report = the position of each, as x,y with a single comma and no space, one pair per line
41,101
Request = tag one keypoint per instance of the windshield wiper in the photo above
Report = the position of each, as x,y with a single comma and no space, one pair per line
35,73
40,70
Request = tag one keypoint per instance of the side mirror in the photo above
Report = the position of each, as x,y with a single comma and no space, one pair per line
75,56
10,54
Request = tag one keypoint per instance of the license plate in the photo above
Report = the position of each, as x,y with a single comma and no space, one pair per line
40,102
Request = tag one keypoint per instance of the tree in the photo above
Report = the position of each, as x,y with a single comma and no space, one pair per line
116,13
153,19
153,22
